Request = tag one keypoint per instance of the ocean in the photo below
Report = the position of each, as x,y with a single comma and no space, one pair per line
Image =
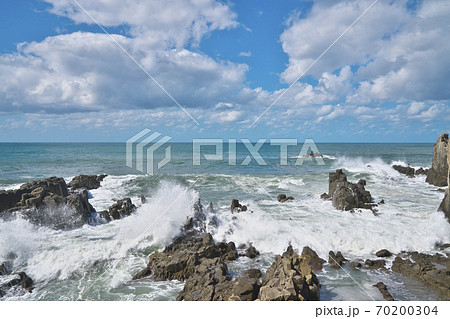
96,262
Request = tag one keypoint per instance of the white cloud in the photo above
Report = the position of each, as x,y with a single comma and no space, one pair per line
246,54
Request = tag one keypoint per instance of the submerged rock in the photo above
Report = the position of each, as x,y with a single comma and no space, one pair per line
346,195
236,207
18,285
289,278
384,292
86,181
439,173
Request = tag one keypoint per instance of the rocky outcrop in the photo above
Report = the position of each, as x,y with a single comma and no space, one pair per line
47,202
16,285
439,173
346,195
384,292
236,207
433,270
312,258
336,260
251,252
86,181
410,171
375,264
120,209
289,278
283,198
383,253
445,205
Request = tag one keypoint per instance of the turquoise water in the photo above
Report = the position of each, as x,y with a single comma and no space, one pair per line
97,262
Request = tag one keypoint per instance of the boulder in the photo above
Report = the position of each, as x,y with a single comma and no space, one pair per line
86,181
120,209
335,260
289,278
406,170
439,173
346,195
236,207
433,270
18,285
383,253
251,252
246,288
283,198
375,264
384,292
314,261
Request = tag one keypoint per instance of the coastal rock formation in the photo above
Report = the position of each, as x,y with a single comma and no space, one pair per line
383,253
375,264
236,207
346,195
445,205
384,292
289,278
283,198
16,285
312,258
410,171
120,209
433,270
86,181
439,173
47,202
251,252
335,260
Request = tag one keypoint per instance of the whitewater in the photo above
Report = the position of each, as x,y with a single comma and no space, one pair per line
97,262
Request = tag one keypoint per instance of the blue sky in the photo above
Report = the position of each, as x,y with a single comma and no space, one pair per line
63,79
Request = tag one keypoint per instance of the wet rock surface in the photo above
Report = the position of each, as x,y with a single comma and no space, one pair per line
86,181
345,195
438,175
236,207
120,209
283,198
16,284
384,291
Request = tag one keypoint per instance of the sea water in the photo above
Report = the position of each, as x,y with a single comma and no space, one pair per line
96,262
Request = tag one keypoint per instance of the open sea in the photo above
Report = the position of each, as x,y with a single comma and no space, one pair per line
96,262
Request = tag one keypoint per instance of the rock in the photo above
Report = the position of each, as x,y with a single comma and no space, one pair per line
438,175
19,284
246,288
383,253
406,170
251,252
445,204
314,261
355,264
282,198
236,207
346,195
335,260
289,278
422,171
143,199
5,269
433,270
86,181
383,290
120,209
48,202
325,196
375,264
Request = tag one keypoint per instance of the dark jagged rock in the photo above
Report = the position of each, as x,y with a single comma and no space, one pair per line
86,181
325,196
384,292
422,171
19,284
289,278
5,269
438,175
251,252
236,207
375,264
445,204
47,202
406,170
433,270
335,260
355,264
283,198
312,258
120,209
383,253
346,195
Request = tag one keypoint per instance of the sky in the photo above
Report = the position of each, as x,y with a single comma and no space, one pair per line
224,69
